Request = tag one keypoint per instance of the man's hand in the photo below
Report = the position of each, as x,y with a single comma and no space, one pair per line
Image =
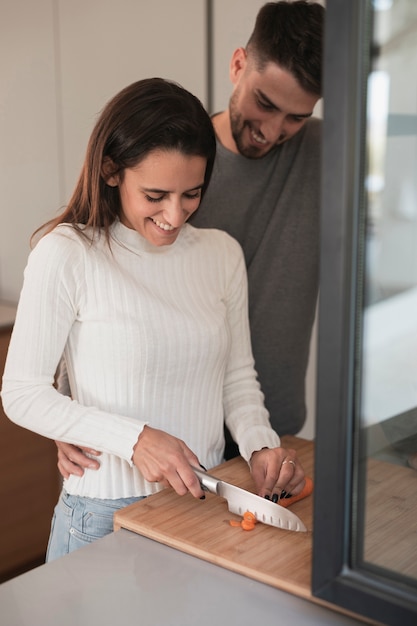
73,460
162,458
277,470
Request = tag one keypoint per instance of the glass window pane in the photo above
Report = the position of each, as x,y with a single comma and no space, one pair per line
386,515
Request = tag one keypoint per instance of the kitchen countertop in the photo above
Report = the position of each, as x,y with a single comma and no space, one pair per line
128,578
131,577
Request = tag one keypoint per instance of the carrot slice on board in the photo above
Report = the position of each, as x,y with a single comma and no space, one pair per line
247,524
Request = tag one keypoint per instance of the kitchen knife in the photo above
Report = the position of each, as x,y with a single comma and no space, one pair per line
239,501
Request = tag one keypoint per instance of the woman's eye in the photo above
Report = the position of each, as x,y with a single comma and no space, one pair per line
188,196
193,196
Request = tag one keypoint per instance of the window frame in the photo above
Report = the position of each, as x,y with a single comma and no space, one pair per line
336,578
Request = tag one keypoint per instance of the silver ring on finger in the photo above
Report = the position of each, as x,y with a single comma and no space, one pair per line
288,461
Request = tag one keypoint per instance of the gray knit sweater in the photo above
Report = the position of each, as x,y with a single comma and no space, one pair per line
271,206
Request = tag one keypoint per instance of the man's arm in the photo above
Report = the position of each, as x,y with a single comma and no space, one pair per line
74,460
71,459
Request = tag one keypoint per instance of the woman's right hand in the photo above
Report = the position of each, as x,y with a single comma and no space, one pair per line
163,458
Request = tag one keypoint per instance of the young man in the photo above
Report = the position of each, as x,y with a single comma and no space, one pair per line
264,191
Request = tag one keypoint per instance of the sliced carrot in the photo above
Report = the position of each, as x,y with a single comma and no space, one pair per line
306,491
247,524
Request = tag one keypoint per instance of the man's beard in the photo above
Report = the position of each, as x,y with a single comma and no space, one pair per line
248,151
237,127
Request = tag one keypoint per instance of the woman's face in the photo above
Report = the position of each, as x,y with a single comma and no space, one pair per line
159,195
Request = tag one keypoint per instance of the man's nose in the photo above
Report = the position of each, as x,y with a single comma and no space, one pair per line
274,128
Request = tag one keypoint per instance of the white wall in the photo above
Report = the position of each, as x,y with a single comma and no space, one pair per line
60,62
104,46
29,177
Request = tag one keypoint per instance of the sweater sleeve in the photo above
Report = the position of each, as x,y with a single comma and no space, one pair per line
47,309
245,413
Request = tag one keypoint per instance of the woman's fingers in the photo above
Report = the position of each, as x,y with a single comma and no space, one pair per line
163,458
277,471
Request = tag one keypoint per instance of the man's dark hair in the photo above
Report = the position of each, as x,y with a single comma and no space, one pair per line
290,34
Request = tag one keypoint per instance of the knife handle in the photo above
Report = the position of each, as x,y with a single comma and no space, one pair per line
207,482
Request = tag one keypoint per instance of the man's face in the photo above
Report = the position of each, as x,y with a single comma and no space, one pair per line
266,108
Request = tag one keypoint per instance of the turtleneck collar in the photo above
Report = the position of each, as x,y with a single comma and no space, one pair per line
130,238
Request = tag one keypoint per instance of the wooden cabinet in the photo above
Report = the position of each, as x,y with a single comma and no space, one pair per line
29,489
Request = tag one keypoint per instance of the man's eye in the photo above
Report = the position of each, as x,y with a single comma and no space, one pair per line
265,105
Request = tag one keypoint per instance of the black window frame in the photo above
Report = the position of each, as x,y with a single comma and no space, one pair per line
336,577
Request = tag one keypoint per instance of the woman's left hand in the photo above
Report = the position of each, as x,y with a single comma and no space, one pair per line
275,470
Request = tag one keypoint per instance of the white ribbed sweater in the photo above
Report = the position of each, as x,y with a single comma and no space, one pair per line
150,335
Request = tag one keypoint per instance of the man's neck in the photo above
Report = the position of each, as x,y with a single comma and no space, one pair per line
221,123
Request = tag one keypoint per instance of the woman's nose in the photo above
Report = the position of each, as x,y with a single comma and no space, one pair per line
174,214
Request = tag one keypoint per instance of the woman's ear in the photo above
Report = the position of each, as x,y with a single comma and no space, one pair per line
108,170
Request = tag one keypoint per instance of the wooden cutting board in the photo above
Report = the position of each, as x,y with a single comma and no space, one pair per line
280,558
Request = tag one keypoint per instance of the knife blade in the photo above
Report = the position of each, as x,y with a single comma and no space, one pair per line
239,501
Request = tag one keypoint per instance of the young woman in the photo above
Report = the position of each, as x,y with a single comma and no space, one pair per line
149,317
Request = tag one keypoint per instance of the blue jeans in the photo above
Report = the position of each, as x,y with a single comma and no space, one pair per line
78,521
